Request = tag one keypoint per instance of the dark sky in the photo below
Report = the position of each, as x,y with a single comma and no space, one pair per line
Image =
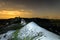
30,8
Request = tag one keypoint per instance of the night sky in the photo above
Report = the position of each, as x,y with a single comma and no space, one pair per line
30,8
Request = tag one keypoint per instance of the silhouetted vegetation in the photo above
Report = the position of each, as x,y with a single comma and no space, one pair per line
49,24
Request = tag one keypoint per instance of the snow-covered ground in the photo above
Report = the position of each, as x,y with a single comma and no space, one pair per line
32,30
7,35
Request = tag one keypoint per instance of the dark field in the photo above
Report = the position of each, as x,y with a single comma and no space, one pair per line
52,25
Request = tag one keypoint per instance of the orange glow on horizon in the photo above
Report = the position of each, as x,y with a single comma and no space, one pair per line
5,14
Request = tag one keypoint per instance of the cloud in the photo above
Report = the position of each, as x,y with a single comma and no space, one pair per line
13,8
2,4
15,13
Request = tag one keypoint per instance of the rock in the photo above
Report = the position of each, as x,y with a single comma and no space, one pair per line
23,22
36,32
7,35
31,31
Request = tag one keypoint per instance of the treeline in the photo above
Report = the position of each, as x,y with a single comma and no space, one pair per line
49,24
